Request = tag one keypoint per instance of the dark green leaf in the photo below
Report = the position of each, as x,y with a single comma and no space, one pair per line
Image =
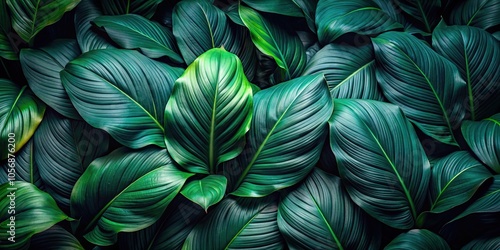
349,71
55,238
483,243
136,32
474,51
209,112
483,137
338,17
87,38
320,215
33,211
20,114
285,48
393,9
238,223
122,92
483,14
426,13
7,51
286,136
26,169
41,68
144,8
30,16
207,191
418,239
426,86
380,158
129,191
282,7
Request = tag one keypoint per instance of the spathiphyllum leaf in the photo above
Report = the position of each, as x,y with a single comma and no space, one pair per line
282,7
286,136
199,26
483,14
425,14
136,32
323,202
41,68
129,191
55,238
483,138
26,169
20,114
349,71
338,17
418,239
209,112
380,158
238,223
7,51
284,47
474,51
96,81
483,243
207,191
30,16
144,8
427,87
393,9
86,36
34,211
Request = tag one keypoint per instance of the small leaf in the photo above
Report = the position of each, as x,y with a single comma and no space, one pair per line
207,191
483,137
418,239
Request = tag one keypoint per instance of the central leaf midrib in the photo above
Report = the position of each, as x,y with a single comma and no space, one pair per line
208,24
21,92
353,74
156,41
330,229
441,192
477,11
244,227
422,12
211,149
469,86
357,10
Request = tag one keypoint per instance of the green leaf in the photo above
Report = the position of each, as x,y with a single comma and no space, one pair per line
335,18
129,191
55,238
144,8
7,50
169,232
128,106
199,26
41,68
286,136
63,150
284,47
207,191
34,211
20,114
483,243
136,32
483,14
314,216
454,180
282,7
30,16
349,71
238,223
26,169
426,86
483,137
425,13
474,51
418,239
87,38
209,112
384,166
393,10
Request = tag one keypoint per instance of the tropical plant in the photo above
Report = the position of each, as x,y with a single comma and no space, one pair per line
284,124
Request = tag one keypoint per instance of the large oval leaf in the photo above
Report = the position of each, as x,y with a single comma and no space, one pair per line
479,13
20,114
87,38
486,243
313,216
26,169
286,135
424,13
426,86
136,32
474,51
144,8
418,239
349,71
199,26
55,238
41,68
128,106
129,191
209,112
207,191
245,223
380,158
338,17
483,138
285,48
34,212
30,16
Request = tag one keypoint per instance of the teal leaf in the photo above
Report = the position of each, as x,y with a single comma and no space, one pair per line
483,137
207,191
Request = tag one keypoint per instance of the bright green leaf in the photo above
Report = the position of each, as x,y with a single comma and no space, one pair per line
207,191
483,137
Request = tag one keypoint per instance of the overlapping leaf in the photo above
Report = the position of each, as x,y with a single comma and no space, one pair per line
483,138
483,14
427,87
209,112
380,158
313,216
418,239
483,243
286,136
136,87
129,189
6,49
55,238
87,38
144,8
26,169
393,9
425,13
207,191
